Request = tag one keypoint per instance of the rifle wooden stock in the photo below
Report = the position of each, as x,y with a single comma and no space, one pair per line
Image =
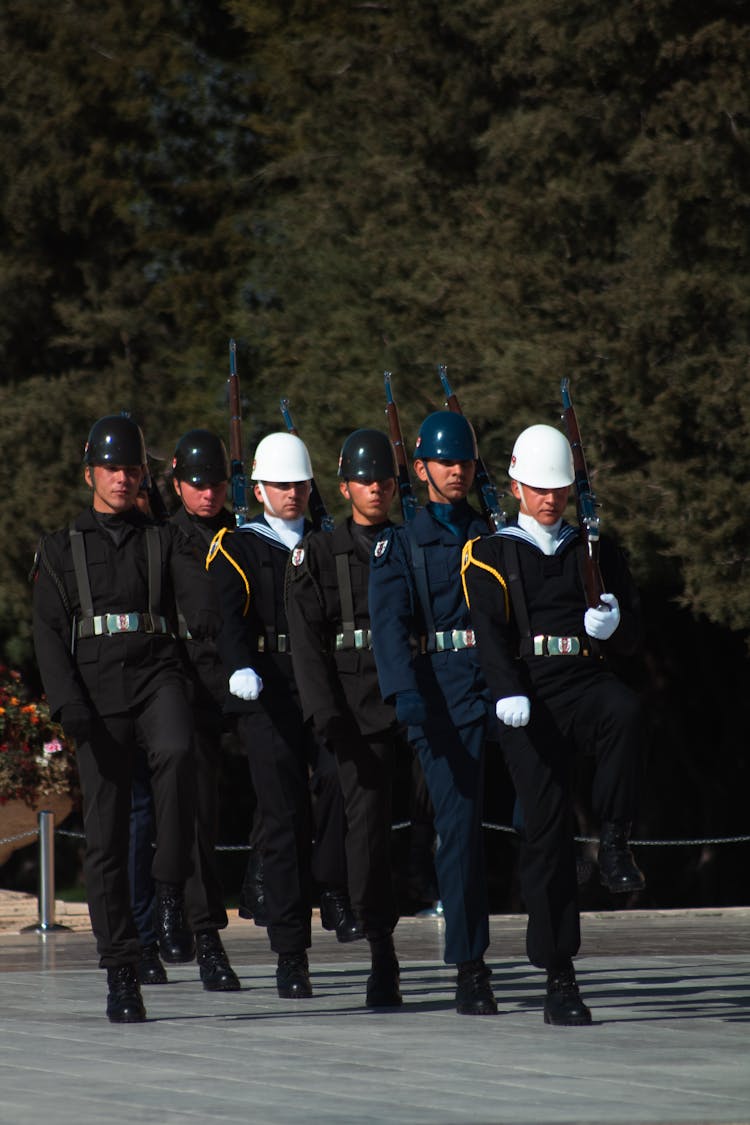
489,499
586,504
405,491
237,467
319,515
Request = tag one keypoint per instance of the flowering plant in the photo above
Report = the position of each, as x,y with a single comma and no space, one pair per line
35,759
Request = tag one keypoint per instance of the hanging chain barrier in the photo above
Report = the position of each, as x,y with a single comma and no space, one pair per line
697,841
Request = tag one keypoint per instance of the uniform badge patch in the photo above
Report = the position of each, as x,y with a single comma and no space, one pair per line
380,548
215,543
298,555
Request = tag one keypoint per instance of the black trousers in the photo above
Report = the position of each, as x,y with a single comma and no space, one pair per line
290,768
204,894
365,766
603,715
163,726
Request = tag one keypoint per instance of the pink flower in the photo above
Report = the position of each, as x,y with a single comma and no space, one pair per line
53,747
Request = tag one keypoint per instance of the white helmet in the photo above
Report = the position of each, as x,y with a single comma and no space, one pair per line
281,457
542,458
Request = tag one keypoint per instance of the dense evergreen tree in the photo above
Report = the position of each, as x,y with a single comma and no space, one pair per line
125,152
523,191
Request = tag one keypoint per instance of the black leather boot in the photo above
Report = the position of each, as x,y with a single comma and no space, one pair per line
618,870
383,981
150,969
563,1005
474,996
176,943
293,976
336,914
252,900
216,972
124,1002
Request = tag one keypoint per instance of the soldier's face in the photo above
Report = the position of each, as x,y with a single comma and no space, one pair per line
285,499
447,481
545,505
202,500
115,487
371,499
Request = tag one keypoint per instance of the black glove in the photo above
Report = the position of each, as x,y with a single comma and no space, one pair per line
334,728
76,720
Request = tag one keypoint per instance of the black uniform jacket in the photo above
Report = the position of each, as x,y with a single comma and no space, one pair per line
206,667
555,601
248,567
111,673
333,682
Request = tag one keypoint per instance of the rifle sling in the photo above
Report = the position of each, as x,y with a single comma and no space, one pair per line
346,598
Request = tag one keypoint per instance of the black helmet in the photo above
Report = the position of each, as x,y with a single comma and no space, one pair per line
200,458
446,436
115,439
367,455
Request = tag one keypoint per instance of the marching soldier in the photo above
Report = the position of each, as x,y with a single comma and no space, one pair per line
329,624
105,628
544,655
428,665
249,570
200,477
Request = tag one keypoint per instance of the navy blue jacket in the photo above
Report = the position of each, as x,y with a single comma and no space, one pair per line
399,624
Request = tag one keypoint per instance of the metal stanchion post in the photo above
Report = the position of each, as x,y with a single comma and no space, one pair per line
46,923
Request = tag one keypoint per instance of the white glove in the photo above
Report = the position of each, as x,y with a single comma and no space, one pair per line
245,683
601,623
514,710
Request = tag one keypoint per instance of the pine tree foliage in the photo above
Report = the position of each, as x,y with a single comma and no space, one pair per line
125,151
516,189
523,191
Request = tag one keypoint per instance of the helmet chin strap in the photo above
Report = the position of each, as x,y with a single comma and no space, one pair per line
266,502
439,491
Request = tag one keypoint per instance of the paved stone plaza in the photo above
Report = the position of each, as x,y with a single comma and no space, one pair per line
670,992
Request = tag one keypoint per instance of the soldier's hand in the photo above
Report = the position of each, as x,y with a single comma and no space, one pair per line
599,622
76,720
410,708
514,710
245,683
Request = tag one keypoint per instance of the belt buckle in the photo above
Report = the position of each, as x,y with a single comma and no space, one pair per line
563,646
122,622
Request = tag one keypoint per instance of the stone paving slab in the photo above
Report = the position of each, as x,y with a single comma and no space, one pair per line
670,1045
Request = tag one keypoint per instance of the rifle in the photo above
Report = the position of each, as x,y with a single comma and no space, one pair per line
238,479
322,521
586,504
405,491
489,499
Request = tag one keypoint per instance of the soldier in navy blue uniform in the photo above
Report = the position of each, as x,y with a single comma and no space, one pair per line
105,630
249,570
545,658
329,621
428,665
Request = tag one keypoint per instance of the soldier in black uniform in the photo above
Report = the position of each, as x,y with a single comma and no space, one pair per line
249,569
545,658
200,469
329,623
104,630
428,665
